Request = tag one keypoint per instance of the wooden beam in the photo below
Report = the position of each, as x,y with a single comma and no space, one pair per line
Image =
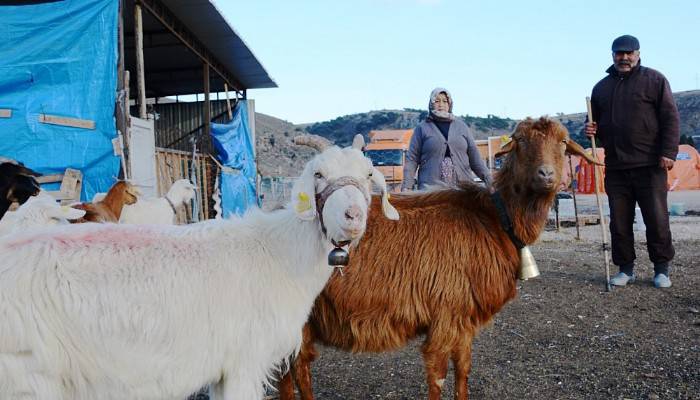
207,104
121,108
171,22
228,102
140,76
65,121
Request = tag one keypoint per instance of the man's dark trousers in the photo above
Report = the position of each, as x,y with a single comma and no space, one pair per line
647,187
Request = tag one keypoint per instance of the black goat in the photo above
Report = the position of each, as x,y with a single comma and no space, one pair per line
17,184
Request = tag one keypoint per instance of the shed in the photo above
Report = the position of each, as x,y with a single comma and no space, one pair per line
75,66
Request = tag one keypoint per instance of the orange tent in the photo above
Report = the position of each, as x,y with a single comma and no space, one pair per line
685,174
565,174
586,180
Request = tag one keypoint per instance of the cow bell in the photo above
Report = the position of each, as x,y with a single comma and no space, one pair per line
338,257
528,266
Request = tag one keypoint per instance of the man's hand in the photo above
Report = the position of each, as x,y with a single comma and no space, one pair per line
666,163
590,128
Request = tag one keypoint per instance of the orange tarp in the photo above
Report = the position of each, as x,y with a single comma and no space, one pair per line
586,182
685,174
565,174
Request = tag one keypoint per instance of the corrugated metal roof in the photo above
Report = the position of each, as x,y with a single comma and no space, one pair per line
172,69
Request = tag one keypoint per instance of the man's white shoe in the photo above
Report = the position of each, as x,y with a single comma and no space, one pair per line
662,281
622,279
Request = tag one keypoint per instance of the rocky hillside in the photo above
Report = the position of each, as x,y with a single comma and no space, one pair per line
278,156
276,153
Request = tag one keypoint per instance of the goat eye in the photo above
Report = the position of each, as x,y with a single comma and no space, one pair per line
370,175
318,175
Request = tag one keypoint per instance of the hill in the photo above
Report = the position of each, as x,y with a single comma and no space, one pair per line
278,156
342,129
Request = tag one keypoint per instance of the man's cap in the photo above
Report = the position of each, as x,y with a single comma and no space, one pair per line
625,43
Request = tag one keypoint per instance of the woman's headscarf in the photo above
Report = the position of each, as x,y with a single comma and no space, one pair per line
440,115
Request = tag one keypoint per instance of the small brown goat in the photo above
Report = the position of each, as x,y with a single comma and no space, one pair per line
109,209
443,270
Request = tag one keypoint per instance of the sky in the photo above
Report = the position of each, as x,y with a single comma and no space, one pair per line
506,58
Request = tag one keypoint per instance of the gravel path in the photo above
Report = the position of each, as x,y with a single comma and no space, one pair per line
563,337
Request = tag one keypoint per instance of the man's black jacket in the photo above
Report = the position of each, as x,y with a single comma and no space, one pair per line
638,121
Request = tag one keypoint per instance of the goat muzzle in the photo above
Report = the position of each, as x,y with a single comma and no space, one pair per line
338,257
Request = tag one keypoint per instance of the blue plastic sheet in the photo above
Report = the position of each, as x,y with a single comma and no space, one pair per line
235,151
60,58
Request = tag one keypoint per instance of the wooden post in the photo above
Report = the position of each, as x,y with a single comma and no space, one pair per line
140,77
121,105
228,103
126,135
207,105
574,185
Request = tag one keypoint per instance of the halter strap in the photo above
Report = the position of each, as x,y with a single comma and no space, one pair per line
172,206
330,189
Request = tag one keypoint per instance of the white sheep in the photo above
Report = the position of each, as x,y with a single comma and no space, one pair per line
39,211
161,210
109,311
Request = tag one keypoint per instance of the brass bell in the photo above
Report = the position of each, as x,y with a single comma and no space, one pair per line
338,256
528,266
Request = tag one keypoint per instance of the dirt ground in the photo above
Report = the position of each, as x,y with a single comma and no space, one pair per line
564,336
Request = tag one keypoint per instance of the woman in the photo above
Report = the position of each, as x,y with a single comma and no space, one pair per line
443,149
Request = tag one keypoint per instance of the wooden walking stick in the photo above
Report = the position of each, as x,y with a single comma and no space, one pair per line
574,186
603,228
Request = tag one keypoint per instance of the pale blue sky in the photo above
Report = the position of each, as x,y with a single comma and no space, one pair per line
508,58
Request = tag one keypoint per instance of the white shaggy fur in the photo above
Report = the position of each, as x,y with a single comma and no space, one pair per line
154,312
158,210
39,211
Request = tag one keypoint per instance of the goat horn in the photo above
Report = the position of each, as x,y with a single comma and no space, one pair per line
358,142
314,141
574,148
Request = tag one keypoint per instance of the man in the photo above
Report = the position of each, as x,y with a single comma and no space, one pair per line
637,121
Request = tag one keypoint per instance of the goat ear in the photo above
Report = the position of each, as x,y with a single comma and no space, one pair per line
505,149
388,210
304,195
574,148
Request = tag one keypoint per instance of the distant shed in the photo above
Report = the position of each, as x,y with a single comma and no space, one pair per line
76,67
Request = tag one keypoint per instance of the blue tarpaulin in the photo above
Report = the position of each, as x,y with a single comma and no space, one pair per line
234,146
60,59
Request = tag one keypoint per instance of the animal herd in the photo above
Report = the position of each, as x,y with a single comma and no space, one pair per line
122,309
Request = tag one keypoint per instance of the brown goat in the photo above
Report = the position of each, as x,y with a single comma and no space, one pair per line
443,270
109,209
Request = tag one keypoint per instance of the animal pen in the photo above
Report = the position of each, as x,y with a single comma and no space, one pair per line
106,99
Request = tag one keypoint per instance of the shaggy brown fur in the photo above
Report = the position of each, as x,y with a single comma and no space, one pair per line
109,209
443,270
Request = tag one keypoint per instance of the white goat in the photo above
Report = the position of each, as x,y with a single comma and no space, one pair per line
39,211
108,311
159,210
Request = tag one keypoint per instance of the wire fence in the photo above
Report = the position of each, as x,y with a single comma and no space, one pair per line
275,191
